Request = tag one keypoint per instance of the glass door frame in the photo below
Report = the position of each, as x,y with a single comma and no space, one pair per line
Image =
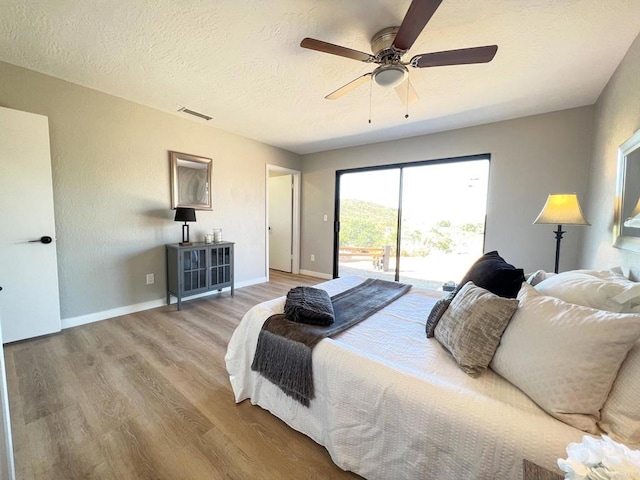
401,167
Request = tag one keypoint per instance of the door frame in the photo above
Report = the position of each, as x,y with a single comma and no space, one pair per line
7,462
295,234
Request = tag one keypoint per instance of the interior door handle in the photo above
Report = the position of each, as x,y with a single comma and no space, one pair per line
42,240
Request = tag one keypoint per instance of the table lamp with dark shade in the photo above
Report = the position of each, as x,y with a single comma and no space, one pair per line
185,215
561,209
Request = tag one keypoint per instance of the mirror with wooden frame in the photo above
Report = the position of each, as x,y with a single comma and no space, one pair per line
190,181
626,225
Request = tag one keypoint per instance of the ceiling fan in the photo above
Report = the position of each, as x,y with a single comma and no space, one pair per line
390,44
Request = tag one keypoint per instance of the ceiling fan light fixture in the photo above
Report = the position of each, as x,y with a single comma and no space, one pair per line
389,76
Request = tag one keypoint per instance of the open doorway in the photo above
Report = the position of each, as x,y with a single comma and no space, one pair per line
282,219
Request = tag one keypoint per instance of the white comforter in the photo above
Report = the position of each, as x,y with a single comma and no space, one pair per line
392,404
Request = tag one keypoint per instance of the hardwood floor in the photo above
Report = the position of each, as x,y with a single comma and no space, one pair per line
147,396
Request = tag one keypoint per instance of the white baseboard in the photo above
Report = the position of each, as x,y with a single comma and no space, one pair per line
139,307
310,273
254,281
114,312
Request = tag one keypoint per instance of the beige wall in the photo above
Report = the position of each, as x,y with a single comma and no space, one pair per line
617,117
111,190
530,158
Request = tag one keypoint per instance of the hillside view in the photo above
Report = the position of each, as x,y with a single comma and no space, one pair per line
367,224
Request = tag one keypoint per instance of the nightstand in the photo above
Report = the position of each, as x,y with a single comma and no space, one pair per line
536,472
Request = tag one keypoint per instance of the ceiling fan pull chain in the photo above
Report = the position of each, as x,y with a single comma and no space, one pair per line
370,94
406,114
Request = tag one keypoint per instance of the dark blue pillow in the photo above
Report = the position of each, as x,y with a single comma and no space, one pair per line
493,273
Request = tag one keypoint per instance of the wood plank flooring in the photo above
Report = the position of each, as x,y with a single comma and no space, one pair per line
147,396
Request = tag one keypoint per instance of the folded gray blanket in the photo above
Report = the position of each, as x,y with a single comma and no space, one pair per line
309,305
283,352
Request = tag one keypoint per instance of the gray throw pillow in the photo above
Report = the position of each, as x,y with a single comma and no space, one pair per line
437,311
472,326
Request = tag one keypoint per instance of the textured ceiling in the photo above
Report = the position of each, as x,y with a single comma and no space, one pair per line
240,61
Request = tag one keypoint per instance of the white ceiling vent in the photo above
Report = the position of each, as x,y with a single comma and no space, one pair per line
194,113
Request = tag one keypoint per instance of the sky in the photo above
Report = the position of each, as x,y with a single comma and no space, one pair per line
454,191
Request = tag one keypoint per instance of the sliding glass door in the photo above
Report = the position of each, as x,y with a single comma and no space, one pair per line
420,223
443,216
368,234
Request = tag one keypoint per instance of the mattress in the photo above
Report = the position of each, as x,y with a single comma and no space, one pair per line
392,404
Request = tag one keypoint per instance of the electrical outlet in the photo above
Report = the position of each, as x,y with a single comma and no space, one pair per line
313,257
325,217
150,278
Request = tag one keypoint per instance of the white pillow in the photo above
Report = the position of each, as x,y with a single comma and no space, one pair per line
538,276
602,290
620,416
564,356
629,298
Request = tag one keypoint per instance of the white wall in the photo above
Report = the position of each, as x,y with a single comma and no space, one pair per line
111,190
530,158
617,117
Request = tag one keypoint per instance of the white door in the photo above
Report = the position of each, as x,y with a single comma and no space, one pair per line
280,222
7,466
29,298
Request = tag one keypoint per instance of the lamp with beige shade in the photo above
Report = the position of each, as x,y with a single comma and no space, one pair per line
561,209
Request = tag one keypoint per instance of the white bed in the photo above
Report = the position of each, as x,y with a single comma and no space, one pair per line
392,404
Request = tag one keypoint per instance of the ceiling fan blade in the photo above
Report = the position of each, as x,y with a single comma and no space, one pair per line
463,56
407,93
419,13
320,46
349,86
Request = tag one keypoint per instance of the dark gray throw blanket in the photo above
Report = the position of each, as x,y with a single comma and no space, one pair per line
283,352
309,305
